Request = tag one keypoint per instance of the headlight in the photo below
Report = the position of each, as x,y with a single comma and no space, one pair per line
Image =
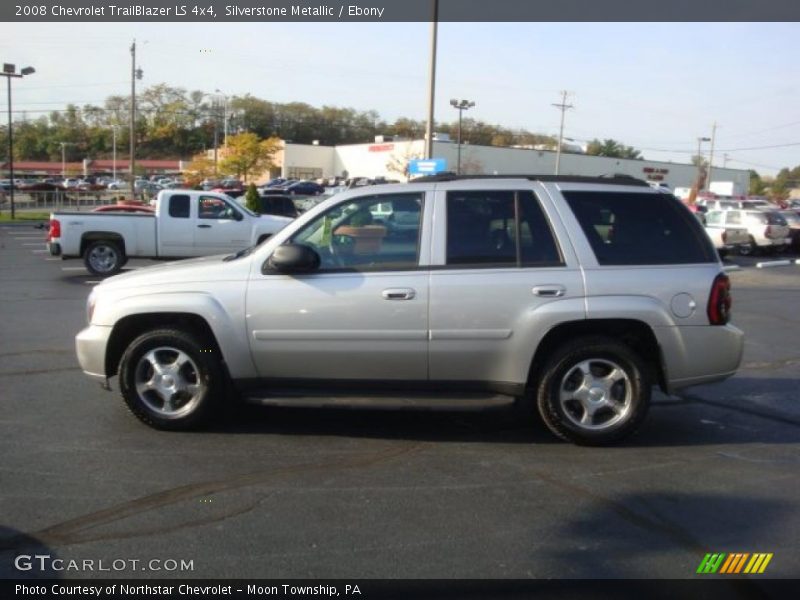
90,303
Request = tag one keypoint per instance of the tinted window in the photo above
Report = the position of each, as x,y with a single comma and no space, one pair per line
498,228
179,207
640,229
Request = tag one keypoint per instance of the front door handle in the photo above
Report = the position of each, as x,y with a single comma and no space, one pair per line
204,226
549,291
398,294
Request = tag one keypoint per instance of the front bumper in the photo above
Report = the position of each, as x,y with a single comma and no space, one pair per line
90,345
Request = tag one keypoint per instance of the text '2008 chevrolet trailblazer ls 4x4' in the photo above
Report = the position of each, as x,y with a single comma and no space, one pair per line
579,293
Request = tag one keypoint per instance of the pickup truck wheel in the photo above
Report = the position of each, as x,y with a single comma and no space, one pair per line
171,380
593,391
103,258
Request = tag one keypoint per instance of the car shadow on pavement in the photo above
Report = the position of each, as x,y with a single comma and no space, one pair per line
671,422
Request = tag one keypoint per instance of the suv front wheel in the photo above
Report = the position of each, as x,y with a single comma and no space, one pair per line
171,379
593,391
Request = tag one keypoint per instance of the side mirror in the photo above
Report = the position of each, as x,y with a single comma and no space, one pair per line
237,216
293,258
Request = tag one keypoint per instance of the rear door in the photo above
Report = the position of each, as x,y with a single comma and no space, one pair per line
500,277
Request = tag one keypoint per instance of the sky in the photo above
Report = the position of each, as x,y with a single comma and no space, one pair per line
655,86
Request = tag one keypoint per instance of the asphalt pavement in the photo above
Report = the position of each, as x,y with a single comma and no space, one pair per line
300,493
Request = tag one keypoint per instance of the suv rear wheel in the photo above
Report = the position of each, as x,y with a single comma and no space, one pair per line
593,391
171,380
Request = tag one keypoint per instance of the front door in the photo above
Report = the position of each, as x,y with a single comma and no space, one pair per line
363,315
220,227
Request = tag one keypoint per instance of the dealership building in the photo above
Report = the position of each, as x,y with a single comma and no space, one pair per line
388,159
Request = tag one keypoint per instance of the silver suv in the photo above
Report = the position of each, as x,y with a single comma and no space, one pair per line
579,294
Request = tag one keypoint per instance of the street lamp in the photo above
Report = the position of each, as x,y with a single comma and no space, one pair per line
64,158
10,71
460,106
224,118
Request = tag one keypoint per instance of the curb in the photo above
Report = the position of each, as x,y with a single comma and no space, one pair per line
774,263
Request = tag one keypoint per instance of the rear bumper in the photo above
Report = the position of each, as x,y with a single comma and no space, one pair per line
90,345
700,354
54,248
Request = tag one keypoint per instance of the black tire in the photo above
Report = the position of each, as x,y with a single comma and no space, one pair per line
619,405
748,249
202,371
103,258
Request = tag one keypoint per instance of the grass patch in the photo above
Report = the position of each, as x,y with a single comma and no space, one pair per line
5,216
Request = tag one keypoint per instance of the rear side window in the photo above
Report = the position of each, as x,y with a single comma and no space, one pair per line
498,228
179,206
640,229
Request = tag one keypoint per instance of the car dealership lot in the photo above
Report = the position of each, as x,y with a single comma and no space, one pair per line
355,494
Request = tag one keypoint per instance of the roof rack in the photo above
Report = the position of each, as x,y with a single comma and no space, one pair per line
606,179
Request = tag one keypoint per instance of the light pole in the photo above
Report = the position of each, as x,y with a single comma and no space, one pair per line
10,71
216,132
224,118
460,106
431,82
135,74
114,152
64,158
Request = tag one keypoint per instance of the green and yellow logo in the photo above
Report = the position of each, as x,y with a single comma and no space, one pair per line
736,562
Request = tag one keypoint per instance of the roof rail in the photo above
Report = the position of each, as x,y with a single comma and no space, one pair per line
606,179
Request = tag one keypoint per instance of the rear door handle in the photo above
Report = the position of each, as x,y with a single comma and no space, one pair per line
204,226
398,294
549,291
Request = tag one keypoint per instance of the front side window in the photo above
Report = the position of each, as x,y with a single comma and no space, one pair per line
632,228
210,207
350,237
497,229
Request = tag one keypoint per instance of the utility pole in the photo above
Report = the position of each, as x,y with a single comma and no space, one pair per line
563,108
135,74
431,82
711,155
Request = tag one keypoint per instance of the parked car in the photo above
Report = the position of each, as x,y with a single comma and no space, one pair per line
726,238
40,186
766,229
793,221
303,188
276,204
184,224
512,288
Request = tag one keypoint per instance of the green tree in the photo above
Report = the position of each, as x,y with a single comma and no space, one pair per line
251,199
248,156
612,149
757,185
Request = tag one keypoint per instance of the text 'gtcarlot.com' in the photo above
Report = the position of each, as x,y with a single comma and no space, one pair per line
45,562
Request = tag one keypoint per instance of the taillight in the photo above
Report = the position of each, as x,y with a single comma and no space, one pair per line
719,301
54,231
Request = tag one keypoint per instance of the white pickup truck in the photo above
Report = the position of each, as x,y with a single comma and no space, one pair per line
186,223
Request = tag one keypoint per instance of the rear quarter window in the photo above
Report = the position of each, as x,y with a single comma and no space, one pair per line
631,228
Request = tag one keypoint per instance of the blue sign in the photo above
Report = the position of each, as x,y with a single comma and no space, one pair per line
428,166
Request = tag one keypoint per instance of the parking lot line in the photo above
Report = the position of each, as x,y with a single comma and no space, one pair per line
38,251
773,263
92,282
52,259
73,268
33,244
